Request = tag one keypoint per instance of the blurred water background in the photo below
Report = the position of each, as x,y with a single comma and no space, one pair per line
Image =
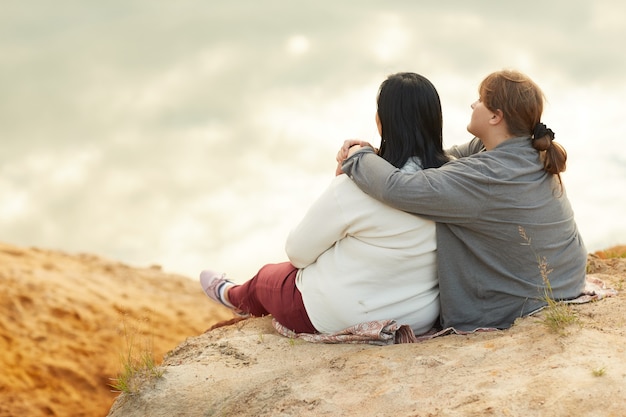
195,134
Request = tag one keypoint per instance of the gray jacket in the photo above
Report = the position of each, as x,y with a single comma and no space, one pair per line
499,215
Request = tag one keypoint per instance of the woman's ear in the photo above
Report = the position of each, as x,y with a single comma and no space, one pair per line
379,125
496,117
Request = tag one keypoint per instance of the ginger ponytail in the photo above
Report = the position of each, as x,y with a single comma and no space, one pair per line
553,154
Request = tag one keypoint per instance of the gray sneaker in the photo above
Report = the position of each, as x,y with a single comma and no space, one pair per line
212,283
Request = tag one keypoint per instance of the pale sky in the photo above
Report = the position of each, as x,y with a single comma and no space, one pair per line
195,134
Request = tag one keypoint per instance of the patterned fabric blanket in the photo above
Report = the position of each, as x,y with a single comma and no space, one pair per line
388,332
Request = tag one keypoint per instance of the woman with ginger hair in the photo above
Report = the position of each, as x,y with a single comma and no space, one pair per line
506,234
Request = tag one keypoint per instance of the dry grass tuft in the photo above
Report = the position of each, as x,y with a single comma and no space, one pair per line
557,316
138,364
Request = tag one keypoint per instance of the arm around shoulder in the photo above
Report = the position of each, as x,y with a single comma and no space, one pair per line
374,176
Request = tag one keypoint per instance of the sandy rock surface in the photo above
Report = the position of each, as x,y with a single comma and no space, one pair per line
247,369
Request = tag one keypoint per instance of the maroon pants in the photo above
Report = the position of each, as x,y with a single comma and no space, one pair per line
273,291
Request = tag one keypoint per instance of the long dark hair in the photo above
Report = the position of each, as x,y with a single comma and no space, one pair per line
409,111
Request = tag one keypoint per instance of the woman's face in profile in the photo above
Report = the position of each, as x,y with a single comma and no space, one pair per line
480,119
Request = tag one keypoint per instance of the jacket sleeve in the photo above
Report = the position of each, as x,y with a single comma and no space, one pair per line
322,226
466,149
454,193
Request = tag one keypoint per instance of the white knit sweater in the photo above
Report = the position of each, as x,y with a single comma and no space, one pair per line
361,260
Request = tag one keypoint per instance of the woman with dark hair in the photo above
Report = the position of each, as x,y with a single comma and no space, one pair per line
352,258
400,98
506,234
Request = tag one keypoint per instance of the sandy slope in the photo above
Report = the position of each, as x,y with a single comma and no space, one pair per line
65,320
247,369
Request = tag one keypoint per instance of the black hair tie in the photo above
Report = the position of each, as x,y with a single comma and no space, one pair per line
541,131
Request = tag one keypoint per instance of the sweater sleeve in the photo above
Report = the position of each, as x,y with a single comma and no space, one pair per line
466,149
321,227
454,193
